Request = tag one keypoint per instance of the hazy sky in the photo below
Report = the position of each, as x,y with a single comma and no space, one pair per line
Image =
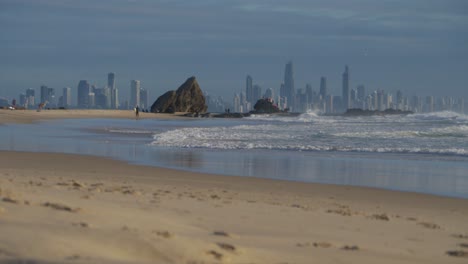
418,46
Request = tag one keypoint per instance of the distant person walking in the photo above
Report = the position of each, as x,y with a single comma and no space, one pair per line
137,112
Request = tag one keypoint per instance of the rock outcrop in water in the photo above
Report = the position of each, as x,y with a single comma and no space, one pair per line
187,98
266,106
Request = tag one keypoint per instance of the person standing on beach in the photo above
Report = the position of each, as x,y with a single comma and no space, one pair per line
137,112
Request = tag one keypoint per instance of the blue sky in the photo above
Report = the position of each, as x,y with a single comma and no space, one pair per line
418,46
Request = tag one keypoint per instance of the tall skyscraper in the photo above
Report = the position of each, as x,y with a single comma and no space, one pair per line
249,88
134,93
289,90
323,87
346,92
361,93
30,96
257,93
83,94
111,80
66,97
144,99
44,93
113,92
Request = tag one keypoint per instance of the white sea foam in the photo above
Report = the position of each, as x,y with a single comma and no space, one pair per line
423,133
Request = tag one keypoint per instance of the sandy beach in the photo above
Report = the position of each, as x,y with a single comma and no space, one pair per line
30,116
62,208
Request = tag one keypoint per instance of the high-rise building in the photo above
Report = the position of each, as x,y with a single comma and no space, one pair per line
309,93
346,92
83,94
289,89
249,88
257,93
134,93
113,92
323,87
236,103
91,100
144,99
30,96
269,93
361,93
111,80
44,93
66,97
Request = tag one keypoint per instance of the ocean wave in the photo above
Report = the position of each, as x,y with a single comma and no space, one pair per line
460,131
439,116
308,117
247,137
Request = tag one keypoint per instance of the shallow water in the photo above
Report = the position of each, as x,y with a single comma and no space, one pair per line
421,153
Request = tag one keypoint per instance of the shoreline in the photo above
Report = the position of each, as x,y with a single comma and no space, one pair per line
110,211
31,116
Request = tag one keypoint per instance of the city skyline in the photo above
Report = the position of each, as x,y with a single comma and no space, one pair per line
417,46
106,97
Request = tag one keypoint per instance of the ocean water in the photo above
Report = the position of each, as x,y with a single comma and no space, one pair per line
425,153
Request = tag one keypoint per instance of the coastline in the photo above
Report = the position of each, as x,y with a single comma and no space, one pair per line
31,116
101,210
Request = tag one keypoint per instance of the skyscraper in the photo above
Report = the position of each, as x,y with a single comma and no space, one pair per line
113,92
111,80
134,93
30,96
323,87
144,99
257,93
66,97
44,93
361,93
346,92
289,90
249,88
83,94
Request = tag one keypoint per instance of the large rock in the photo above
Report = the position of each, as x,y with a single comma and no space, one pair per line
266,105
188,98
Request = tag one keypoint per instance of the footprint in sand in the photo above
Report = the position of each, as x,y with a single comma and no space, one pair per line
226,246
322,245
215,254
221,233
10,200
429,225
350,248
164,234
81,224
457,253
383,217
61,207
460,236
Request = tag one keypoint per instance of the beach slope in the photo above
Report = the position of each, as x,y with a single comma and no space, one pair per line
60,208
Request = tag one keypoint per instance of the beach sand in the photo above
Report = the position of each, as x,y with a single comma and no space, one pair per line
30,116
61,208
